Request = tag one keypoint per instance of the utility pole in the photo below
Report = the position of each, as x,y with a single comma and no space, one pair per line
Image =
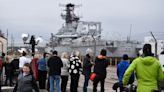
52,41
155,44
7,41
94,55
130,32
12,43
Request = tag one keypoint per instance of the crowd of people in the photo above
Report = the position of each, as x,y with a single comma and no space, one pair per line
52,68
23,72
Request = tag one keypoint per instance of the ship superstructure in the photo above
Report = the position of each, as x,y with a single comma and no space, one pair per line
81,35
74,30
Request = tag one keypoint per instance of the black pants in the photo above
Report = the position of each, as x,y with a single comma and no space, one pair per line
95,83
10,78
42,78
48,83
0,82
74,82
15,88
64,80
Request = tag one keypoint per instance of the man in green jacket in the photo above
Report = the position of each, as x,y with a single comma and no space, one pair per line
148,71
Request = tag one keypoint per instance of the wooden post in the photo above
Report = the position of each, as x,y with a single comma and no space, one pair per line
115,62
110,61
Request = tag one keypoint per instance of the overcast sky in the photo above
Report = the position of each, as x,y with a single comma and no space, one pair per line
42,17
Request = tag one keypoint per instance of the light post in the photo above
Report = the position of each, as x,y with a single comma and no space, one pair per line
32,42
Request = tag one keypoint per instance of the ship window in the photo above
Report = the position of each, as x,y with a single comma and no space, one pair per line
127,49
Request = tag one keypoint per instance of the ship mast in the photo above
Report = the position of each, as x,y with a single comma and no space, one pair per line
70,16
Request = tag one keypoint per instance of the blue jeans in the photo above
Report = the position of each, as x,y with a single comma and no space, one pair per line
57,79
85,83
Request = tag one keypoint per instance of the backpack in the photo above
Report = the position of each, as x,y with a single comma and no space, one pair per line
42,64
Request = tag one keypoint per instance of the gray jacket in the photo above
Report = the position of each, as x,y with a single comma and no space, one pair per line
27,83
64,69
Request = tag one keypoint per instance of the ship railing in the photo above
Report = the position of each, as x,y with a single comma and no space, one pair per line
89,43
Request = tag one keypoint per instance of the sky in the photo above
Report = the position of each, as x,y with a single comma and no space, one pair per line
42,17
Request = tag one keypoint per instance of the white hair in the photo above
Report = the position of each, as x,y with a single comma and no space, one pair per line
89,51
75,53
64,55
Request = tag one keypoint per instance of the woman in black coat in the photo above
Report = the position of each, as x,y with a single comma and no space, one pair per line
87,65
101,64
74,69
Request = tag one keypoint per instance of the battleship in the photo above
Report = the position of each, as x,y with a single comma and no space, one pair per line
81,35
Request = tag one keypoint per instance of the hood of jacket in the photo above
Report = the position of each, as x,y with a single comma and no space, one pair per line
101,57
149,60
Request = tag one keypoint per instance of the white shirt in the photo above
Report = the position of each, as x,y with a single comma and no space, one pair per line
23,60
